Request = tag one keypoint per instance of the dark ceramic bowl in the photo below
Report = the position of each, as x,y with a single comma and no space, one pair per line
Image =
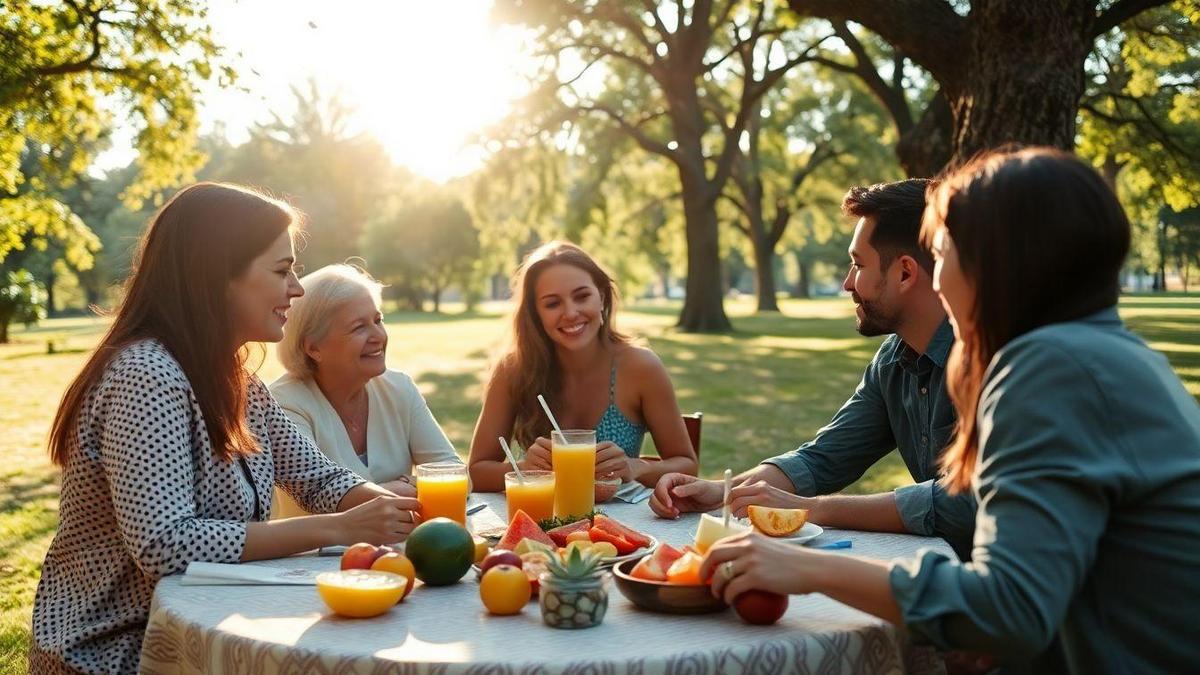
659,596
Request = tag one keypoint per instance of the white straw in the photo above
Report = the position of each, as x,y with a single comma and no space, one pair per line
728,487
546,407
512,460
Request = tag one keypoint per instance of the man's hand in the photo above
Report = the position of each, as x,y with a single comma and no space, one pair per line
760,493
677,493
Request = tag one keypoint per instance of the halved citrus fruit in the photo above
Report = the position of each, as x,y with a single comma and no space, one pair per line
360,593
776,522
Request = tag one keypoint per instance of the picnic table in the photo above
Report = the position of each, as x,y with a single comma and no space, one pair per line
445,630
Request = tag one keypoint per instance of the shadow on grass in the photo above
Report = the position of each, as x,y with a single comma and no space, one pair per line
57,352
27,509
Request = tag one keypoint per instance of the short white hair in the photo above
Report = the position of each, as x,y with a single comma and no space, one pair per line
308,320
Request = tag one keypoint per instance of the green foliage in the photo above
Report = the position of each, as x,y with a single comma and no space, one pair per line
22,300
69,72
426,242
338,179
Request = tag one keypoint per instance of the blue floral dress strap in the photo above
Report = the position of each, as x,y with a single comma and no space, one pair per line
615,427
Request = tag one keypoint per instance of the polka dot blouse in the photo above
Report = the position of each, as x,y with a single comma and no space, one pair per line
143,494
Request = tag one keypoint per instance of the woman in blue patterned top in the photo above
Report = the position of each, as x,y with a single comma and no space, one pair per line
565,345
1079,441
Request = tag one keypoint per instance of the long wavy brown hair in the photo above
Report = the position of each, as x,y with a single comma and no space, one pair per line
199,241
1041,239
531,360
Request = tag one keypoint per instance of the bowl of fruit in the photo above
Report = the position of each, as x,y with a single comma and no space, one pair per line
667,581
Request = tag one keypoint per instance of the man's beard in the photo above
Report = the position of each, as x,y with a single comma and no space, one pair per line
876,319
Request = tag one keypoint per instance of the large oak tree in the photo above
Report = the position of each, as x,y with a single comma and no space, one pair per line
1008,70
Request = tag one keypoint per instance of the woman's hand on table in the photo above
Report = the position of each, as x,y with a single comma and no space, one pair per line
762,493
752,560
677,493
401,487
538,456
382,520
612,462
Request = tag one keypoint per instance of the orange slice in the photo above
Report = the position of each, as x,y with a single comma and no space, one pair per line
776,522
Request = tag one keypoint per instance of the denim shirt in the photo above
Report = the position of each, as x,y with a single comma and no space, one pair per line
902,403
1088,482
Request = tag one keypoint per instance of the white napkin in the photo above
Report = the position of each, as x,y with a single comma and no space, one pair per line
245,574
633,492
486,523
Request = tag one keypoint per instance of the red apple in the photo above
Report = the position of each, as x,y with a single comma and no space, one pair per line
499,557
761,608
362,556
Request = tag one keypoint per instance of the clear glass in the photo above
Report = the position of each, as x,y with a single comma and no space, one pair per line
442,489
573,456
535,496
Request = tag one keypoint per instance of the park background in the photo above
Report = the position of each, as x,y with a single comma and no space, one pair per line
699,148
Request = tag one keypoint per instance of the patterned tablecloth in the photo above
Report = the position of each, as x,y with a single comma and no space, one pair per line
287,629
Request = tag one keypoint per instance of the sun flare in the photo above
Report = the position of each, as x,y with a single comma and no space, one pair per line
422,77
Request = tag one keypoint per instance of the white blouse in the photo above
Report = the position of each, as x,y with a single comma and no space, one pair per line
401,430
143,494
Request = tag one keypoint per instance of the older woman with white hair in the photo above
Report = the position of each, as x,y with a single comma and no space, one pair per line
339,391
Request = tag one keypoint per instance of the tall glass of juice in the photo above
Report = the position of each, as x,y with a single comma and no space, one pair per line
531,492
442,489
573,456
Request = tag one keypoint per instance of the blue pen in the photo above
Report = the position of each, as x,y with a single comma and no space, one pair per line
845,543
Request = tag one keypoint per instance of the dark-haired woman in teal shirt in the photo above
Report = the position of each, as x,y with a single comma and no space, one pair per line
1080,442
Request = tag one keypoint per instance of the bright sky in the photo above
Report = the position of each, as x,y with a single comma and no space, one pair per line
423,75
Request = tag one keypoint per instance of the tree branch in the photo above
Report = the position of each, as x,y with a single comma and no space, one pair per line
86,62
1120,12
648,144
892,98
928,31
741,207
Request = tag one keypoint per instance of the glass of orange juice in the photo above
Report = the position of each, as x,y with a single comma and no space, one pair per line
534,495
573,456
442,489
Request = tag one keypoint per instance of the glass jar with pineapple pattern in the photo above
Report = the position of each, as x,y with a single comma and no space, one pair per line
573,590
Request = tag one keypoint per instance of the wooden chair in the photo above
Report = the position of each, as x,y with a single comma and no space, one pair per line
693,422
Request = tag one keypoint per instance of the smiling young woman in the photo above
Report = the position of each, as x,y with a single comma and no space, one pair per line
169,446
565,345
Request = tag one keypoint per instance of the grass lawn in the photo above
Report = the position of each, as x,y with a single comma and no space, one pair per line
763,390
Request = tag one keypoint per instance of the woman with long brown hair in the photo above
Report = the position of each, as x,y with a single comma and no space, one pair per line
565,345
169,447
1080,442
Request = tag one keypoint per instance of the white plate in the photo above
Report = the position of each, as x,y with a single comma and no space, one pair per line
804,535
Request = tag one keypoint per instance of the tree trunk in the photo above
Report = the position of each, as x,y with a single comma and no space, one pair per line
802,280
4,321
703,308
1025,76
664,275
51,303
437,299
925,149
764,276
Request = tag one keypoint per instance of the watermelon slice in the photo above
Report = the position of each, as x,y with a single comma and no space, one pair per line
654,567
559,534
629,534
623,545
522,527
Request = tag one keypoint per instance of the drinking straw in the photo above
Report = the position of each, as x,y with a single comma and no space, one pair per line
512,460
728,487
546,407
845,543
